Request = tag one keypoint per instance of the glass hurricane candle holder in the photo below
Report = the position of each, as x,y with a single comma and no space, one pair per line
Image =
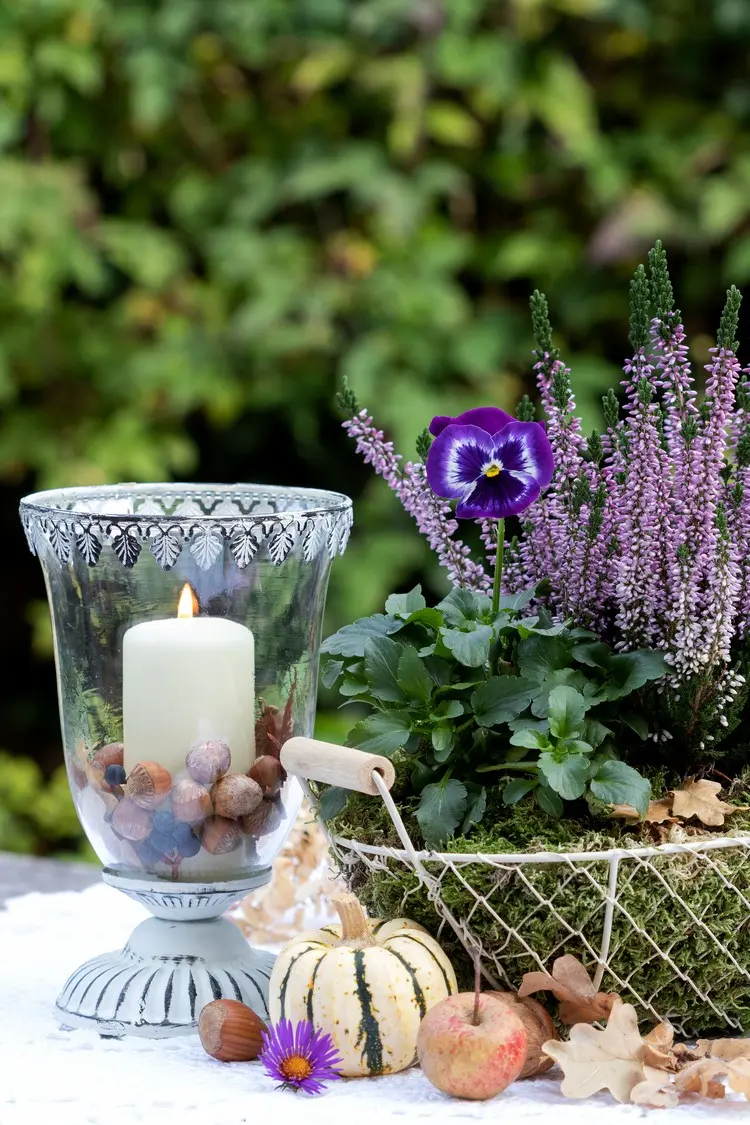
186,623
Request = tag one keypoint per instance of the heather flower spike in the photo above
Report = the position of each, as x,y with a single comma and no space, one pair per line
299,1057
643,533
409,483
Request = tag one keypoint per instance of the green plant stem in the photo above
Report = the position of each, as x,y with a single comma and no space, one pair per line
500,549
508,766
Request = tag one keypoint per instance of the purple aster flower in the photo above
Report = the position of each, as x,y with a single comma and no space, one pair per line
300,1057
492,475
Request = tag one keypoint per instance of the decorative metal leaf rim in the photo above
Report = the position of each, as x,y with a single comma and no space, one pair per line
164,519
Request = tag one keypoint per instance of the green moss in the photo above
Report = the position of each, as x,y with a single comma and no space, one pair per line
682,905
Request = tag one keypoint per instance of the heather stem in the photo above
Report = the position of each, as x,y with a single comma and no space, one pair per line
498,566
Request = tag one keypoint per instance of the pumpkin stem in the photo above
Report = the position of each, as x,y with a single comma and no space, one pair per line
354,927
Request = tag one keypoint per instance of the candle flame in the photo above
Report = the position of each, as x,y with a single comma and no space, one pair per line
188,604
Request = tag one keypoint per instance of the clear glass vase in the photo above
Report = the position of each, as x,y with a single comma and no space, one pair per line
186,622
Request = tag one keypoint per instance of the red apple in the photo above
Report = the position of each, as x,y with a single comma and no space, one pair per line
469,1059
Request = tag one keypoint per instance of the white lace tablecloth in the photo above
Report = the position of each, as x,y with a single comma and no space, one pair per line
54,1077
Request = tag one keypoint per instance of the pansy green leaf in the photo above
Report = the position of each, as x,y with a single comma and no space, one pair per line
628,671
549,801
354,685
430,618
403,605
636,722
594,732
351,640
501,698
449,709
574,746
567,776
331,801
531,739
442,741
463,605
517,789
469,647
382,657
529,724
592,654
476,805
539,656
617,783
442,807
413,678
517,601
332,669
382,733
569,677
567,710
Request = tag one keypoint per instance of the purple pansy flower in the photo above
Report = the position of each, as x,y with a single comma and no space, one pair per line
494,466
489,418
299,1057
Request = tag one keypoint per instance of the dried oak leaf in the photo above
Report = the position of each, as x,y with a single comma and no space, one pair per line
739,1076
274,727
684,1055
724,1048
657,813
700,799
655,1090
658,1044
700,1078
572,986
594,1060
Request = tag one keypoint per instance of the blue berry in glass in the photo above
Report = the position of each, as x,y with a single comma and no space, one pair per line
189,846
115,775
162,842
164,822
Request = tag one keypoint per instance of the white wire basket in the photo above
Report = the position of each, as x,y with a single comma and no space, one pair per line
633,907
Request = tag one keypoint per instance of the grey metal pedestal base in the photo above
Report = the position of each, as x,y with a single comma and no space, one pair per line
172,965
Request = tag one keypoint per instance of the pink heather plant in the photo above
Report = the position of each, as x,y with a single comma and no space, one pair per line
644,533
432,515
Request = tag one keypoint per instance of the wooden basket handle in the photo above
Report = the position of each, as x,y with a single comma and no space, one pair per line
336,765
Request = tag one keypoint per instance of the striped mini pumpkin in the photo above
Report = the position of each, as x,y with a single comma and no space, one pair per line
367,983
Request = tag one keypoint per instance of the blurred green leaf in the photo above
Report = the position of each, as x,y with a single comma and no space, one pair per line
150,256
449,124
211,212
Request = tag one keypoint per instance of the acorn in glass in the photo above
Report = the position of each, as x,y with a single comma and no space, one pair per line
186,623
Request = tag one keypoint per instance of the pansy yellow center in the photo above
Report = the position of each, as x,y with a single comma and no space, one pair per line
296,1068
493,469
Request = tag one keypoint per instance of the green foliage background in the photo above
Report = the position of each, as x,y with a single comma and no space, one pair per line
210,210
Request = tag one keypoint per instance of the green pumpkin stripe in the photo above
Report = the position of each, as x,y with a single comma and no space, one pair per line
418,993
426,948
311,989
285,982
369,1032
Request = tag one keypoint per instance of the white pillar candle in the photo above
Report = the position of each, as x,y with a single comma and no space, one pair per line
187,679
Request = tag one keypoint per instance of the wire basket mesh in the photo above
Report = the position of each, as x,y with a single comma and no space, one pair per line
668,926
